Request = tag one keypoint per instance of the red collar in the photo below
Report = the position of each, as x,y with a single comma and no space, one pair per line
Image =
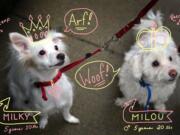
47,83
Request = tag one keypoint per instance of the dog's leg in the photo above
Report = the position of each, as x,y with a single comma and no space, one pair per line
120,101
67,115
43,121
142,101
159,105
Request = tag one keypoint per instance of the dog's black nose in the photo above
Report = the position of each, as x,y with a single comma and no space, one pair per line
60,56
173,73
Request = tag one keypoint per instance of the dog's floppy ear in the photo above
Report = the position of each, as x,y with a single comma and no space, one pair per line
135,63
19,42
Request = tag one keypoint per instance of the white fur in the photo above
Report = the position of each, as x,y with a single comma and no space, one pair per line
27,67
138,63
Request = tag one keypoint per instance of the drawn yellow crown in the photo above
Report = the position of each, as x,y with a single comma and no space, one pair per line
37,30
160,36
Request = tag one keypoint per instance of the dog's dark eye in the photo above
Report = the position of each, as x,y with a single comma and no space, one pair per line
170,58
42,52
56,47
155,63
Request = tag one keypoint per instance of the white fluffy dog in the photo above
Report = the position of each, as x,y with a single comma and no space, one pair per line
159,67
39,61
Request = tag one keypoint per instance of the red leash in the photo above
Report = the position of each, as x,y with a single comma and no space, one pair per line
118,35
136,20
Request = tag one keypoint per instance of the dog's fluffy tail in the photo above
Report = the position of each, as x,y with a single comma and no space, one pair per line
152,21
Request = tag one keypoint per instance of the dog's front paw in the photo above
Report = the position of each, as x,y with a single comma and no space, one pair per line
72,119
43,122
119,102
160,107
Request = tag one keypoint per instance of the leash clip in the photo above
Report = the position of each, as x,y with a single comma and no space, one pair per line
107,43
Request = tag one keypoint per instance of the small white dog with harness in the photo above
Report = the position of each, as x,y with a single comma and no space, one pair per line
155,71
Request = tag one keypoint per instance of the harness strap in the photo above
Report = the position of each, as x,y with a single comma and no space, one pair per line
149,92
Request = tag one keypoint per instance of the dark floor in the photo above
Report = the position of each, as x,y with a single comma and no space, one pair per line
96,109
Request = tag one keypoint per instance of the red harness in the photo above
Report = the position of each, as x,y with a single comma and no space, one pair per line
118,35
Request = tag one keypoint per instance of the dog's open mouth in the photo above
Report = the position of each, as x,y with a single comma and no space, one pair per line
58,64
